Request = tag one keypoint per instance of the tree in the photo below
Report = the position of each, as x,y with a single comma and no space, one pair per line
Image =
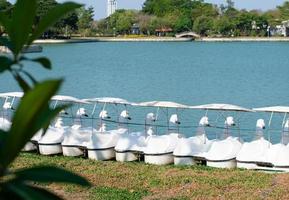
43,6
5,5
144,21
122,20
224,26
273,17
284,11
20,184
203,25
157,7
230,4
85,19
67,23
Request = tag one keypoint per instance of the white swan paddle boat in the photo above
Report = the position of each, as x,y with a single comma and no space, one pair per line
77,136
255,151
5,119
159,149
49,143
8,108
222,153
130,146
276,158
191,150
102,142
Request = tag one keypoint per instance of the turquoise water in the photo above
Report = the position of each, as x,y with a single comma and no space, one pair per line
250,74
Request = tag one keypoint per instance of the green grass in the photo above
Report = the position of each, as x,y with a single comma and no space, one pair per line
100,193
114,180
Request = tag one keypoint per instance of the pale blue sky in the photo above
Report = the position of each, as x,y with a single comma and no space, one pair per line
100,5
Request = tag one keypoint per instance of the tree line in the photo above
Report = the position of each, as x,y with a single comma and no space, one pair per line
176,16
78,21
203,18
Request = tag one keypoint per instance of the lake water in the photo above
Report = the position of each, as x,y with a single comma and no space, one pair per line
249,74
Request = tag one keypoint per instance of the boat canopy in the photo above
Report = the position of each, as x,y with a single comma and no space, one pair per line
11,94
223,107
162,104
109,100
68,99
276,109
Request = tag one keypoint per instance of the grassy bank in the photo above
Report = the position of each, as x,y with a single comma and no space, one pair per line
114,180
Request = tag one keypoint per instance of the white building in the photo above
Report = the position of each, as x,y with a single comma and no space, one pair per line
281,30
111,7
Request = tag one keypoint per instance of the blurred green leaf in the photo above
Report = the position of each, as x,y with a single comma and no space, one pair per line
5,42
32,114
5,63
23,17
52,17
49,174
30,77
45,117
3,135
45,62
21,190
5,21
21,82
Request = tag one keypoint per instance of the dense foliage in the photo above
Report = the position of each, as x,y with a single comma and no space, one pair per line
174,16
85,20
73,22
197,15
23,25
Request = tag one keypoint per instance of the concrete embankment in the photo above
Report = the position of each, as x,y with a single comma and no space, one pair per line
162,39
245,39
86,40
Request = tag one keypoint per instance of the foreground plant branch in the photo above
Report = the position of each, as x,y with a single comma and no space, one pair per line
29,119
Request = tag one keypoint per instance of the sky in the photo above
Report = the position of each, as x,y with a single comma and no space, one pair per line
100,5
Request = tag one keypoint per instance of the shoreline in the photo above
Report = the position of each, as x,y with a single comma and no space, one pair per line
160,39
245,39
111,39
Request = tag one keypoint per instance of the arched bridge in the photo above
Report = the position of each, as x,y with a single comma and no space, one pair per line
188,34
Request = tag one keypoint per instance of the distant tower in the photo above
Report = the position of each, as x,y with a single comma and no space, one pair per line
111,7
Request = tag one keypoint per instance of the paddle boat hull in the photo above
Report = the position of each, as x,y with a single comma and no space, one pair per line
229,164
50,143
159,159
223,153
127,156
75,142
253,153
101,154
190,151
73,150
50,149
130,147
29,146
159,149
32,145
184,160
101,145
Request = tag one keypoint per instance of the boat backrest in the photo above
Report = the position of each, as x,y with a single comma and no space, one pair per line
59,123
229,122
285,133
104,114
174,119
260,126
204,121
